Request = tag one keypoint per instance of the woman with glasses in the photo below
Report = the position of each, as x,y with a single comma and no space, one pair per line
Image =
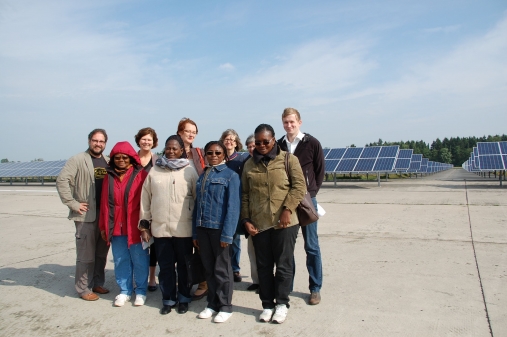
236,161
214,223
187,130
146,139
268,212
119,216
167,203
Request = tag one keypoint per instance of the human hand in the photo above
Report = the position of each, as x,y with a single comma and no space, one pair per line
250,228
196,243
284,218
103,235
146,235
83,207
224,244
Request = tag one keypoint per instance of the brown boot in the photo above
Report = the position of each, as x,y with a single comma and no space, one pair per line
201,291
314,298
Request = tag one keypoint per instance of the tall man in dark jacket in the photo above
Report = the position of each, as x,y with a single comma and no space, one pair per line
79,185
309,152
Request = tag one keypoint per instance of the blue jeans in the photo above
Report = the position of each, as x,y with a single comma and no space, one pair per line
129,264
313,257
235,252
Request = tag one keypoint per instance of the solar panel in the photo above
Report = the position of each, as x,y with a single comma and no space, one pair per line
384,164
336,153
424,165
31,169
353,152
370,152
415,163
503,147
346,165
331,164
488,148
364,165
389,151
325,152
489,156
405,154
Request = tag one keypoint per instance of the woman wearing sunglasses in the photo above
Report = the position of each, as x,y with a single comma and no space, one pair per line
167,202
119,216
214,223
268,212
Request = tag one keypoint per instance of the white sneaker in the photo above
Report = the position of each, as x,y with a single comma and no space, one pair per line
266,315
120,300
222,317
280,313
206,313
140,299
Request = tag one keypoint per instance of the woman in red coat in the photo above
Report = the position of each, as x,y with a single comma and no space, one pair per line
119,217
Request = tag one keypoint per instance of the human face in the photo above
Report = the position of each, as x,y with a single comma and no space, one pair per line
264,142
97,144
146,142
188,134
173,149
230,143
215,155
291,125
251,147
121,160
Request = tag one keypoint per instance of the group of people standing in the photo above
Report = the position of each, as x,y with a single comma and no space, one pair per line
190,198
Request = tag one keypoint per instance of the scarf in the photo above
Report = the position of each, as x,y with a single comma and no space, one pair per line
121,172
257,157
223,162
172,164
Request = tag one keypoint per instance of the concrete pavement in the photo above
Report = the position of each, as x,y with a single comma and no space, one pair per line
414,257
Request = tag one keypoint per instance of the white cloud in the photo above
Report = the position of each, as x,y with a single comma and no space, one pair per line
320,66
227,67
445,29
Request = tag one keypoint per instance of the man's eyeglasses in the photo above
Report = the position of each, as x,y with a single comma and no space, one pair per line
124,158
264,142
217,153
98,141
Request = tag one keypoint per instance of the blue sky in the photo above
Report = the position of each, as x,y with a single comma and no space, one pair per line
356,70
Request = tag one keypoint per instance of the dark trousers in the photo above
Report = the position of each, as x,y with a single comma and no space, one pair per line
91,257
275,247
217,264
172,251
153,255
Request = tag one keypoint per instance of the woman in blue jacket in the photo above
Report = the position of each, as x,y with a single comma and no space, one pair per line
216,215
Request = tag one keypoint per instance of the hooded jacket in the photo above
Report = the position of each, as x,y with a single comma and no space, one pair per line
121,199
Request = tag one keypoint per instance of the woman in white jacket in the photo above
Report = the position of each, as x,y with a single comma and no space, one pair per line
167,201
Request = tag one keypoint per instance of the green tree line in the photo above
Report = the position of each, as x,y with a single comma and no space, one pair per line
454,150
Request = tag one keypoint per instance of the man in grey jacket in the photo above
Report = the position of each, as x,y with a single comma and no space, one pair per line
79,185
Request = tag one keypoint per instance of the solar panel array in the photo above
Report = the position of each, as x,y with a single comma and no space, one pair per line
31,169
487,156
361,159
378,159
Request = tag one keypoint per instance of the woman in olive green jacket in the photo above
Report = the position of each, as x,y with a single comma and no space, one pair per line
268,212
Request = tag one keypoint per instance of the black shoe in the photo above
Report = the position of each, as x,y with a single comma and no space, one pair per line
237,277
182,308
153,288
253,287
165,310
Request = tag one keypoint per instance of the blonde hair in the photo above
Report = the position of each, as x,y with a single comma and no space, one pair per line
291,111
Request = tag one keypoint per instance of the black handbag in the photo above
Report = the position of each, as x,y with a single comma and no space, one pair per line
195,269
305,210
